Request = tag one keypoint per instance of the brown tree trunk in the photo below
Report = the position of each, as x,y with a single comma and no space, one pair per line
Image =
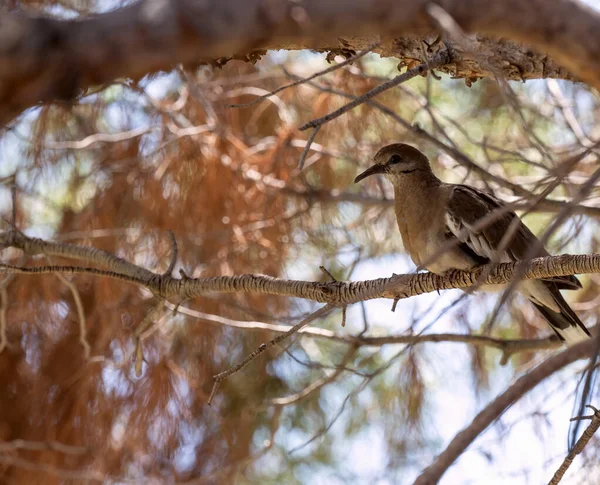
44,59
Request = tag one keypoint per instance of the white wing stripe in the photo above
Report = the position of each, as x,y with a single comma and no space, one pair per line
476,241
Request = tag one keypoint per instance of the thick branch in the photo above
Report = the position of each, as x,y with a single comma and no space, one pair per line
335,293
156,34
498,406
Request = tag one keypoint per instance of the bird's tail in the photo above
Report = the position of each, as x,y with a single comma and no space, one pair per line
565,324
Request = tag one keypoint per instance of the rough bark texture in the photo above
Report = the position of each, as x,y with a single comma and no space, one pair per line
514,61
338,293
43,59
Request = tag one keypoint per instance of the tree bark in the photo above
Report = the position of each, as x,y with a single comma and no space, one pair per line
338,293
46,59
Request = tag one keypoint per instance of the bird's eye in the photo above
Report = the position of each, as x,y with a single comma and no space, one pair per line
394,159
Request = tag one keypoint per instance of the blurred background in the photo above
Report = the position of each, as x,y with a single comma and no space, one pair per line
126,163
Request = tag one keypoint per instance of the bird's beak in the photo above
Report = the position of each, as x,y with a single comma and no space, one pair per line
377,168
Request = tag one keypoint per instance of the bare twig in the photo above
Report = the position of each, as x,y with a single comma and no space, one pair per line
42,446
140,331
3,308
580,445
309,142
588,387
87,350
174,252
357,390
350,60
328,273
506,346
260,349
470,45
333,278
282,108
448,25
567,112
316,385
432,474
88,141
13,196
439,59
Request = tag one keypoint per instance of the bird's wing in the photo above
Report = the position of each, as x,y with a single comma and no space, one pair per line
469,208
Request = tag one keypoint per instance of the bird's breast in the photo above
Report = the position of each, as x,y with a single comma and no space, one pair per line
422,224
430,250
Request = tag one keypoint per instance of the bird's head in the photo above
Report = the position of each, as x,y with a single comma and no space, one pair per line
396,162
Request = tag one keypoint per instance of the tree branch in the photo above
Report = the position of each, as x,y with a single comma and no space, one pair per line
579,446
508,347
339,293
432,474
153,35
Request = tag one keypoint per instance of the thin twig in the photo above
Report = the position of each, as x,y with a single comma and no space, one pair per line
506,346
580,445
217,379
474,49
3,308
327,272
174,251
567,112
450,27
307,79
140,334
309,142
87,350
357,390
19,444
99,138
337,293
316,385
333,278
440,59
13,193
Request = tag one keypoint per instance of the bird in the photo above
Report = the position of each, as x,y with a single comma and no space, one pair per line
453,226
